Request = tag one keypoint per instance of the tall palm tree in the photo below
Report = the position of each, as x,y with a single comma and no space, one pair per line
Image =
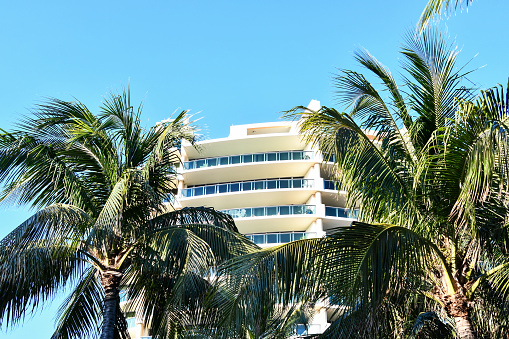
428,168
103,186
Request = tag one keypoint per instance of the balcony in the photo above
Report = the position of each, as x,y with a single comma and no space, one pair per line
279,238
248,167
265,192
339,212
244,186
331,185
270,211
248,158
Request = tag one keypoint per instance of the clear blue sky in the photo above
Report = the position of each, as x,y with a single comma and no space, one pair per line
235,62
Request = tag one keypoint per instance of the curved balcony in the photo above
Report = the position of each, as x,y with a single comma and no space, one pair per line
248,158
278,238
254,193
248,167
270,211
255,185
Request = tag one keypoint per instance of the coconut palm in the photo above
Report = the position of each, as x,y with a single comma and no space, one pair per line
102,186
428,168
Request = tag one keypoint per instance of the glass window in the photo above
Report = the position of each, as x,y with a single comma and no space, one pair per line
284,237
212,162
223,161
342,213
298,236
284,156
186,192
328,185
297,155
284,183
259,157
297,183
246,186
259,185
246,212
271,184
272,238
222,188
306,183
298,209
271,210
307,155
271,156
200,163
258,238
235,187
210,189
301,329
188,165
197,191
247,158
236,213
284,210
309,209
235,159
330,211
258,212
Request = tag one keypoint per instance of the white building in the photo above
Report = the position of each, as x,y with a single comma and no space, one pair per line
275,186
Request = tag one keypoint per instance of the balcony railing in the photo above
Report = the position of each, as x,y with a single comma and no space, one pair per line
331,185
266,184
270,211
340,212
248,158
279,238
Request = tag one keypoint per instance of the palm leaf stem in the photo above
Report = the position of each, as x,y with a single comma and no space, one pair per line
483,277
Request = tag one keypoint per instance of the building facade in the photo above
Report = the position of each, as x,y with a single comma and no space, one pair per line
275,186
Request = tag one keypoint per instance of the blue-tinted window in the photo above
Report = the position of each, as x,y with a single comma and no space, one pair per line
284,210
330,212
272,238
271,210
259,157
210,189
197,191
247,158
271,156
212,162
258,212
285,237
258,239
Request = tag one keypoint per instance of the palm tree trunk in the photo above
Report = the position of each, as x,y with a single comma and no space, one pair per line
110,281
464,328
458,307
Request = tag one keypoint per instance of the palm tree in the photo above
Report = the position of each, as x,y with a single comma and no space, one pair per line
429,170
103,186
436,7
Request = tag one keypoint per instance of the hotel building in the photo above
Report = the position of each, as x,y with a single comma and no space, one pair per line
275,186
